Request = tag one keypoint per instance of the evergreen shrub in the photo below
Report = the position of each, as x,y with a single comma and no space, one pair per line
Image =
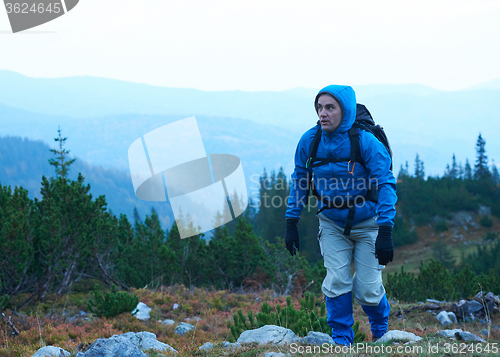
437,282
309,317
486,221
401,234
441,226
3,299
112,303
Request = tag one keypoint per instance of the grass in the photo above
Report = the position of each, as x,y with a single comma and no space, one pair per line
49,322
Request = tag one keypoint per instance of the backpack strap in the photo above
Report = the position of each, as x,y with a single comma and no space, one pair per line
312,157
314,146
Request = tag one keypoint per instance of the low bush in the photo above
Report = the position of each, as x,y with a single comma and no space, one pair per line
112,303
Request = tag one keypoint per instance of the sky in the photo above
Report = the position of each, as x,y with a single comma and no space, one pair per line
264,45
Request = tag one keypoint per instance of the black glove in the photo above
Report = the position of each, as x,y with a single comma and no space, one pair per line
292,236
384,250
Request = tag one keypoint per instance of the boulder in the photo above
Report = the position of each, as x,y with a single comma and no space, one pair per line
459,335
113,347
461,309
469,318
127,344
449,333
231,346
50,351
206,346
473,306
145,341
183,328
168,322
396,335
317,338
275,354
452,316
444,318
433,301
196,318
269,334
467,337
142,311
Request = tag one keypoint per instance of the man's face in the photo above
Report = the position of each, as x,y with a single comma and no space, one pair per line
329,112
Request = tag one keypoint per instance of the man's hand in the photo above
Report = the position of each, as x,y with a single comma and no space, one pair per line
292,236
384,249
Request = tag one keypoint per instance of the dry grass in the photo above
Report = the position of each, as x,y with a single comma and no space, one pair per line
49,323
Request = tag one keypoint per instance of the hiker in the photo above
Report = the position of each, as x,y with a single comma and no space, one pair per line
353,223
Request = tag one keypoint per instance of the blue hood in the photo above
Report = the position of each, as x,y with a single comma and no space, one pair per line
347,98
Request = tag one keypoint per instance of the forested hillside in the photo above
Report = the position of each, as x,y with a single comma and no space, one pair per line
67,234
23,162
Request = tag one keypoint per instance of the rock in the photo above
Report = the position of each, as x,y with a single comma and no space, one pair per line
183,328
490,307
485,332
317,338
269,334
196,318
449,333
231,346
50,351
275,354
461,309
431,307
484,211
396,335
128,344
168,322
461,217
469,318
444,318
452,316
80,354
496,299
145,341
113,347
468,337
142,311
433,301
474,306
206,346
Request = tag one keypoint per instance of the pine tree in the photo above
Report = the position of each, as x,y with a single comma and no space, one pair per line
495,176
454,168
403,172
460,174
419,168
481,171
467,170
17,253
61,163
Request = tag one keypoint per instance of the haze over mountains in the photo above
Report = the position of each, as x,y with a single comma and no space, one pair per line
102,117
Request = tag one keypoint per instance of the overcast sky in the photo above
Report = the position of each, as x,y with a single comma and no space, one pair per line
264,45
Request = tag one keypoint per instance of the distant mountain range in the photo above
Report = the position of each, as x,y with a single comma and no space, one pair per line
102,117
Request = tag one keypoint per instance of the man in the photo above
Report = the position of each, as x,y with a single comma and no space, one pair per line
350,225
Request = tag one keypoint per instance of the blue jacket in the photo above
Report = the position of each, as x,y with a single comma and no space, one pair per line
334,180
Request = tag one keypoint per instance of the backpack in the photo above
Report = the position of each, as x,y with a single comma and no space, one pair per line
364,121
